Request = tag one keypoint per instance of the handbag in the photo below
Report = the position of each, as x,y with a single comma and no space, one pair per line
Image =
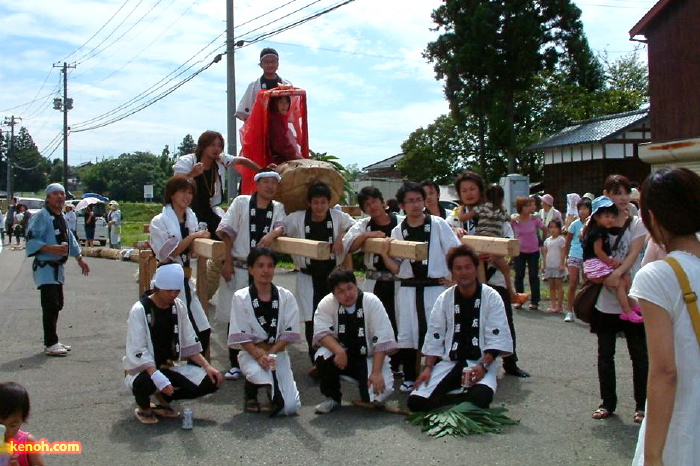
689,296
586,297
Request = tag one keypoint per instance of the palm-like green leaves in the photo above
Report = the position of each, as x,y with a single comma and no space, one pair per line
462,420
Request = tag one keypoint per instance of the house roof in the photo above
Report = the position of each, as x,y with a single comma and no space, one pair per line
386,163
640,27
599,129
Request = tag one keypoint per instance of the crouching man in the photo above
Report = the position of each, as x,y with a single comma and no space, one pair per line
160,336
468,328
353,331
264,320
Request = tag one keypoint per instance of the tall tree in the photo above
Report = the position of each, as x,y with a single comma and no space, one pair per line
187,146
123,177
438,151
490,53
29,167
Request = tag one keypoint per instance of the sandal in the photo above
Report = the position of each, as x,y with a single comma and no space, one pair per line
639,416
233,374
251,406
533,307
602,413
517,306
165,411
145,417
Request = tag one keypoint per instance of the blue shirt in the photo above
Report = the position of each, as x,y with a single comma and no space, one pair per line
40,232
576,250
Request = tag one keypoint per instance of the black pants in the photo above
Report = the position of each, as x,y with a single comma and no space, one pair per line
51,305
637,348
409,358
232,353
329,376
509,362
531,261
309,335
185,389
480,395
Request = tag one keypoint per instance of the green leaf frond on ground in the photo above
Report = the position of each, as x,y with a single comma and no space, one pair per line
462,420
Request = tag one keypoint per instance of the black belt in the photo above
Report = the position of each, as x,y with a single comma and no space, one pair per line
55,264
420,282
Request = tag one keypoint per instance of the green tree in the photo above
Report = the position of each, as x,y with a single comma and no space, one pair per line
438,152
491,52
187,146
123,177
30,169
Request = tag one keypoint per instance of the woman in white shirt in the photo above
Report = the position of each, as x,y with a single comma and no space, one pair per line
670,433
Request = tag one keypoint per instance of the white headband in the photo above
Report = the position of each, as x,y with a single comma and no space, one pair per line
269,55
169,277
267,175
54,187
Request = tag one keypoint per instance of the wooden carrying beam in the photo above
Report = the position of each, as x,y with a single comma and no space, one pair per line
497,246
413,250
209,248
317,250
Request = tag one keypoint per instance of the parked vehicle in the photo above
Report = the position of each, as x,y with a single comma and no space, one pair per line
33,204
100,211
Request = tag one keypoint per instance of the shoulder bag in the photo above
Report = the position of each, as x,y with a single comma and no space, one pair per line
689,296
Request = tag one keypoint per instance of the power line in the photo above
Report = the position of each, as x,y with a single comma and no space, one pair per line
98,31
279,19
87,55
86,125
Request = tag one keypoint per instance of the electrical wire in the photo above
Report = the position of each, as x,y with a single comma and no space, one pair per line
128,62
152,101
278,19
153,88
98,31
88,55
93,123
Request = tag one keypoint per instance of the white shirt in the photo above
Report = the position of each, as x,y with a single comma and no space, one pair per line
555,251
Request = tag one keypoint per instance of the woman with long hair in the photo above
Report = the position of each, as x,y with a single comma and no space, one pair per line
670,207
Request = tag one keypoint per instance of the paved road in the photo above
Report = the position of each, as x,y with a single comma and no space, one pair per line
82,397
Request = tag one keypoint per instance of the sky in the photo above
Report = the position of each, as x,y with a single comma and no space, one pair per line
368,85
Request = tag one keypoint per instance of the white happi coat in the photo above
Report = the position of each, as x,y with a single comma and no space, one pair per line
184,165
245,106
494,334
139,346
442,240
245,328
379,334
342,222
362,226
236,224
164,237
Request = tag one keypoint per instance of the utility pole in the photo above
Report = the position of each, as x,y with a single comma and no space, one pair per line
11,122
231,99
64,105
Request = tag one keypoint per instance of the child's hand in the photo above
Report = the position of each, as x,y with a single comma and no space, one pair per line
614,263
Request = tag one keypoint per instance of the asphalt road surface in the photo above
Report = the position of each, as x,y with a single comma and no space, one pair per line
82,397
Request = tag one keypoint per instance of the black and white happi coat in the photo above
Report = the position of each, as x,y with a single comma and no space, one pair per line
370,259
295,228
236,224
442,239
493,331
164,238
378,334
139,345
247,327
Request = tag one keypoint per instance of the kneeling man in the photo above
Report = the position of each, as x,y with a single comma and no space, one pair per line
160,336
468,328
264,320
353,331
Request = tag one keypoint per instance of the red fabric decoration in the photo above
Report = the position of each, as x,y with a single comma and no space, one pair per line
264,125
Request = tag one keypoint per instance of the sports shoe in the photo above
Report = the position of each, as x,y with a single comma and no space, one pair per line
67,347
406,387
55,350
233,374
326,406
569,317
